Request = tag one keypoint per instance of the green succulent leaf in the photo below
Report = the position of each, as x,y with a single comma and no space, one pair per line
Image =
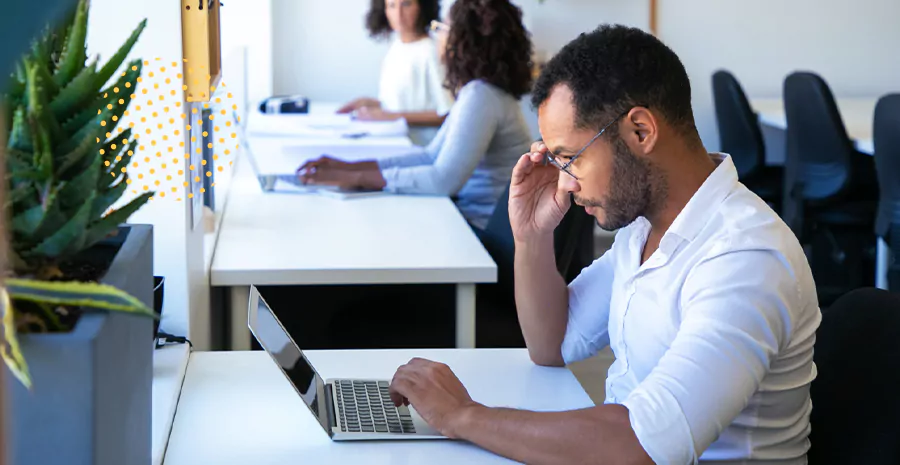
110,222
42,64
53,219
76,158
15,93
108,197
21,195
9,344
20,135
37,107
116,61
20,168
43,150
60,36
74,54
71,237
82,187
77,294
74,95
27,223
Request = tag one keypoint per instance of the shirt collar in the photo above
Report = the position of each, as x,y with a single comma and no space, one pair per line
705,201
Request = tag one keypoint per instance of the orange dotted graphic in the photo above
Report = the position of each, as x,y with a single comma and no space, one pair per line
148,169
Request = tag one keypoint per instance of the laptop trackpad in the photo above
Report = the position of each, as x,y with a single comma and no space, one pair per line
422,428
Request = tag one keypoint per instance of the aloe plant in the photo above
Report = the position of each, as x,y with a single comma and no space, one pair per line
65,157
65,169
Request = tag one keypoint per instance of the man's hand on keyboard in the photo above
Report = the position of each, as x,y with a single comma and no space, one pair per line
434,391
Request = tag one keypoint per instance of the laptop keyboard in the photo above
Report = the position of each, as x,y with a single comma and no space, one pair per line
366,407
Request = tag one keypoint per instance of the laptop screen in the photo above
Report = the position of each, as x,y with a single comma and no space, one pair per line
278,343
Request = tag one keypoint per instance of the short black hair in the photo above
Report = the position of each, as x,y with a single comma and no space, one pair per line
379,27
614,68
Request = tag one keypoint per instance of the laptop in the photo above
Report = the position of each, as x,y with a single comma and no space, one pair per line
347,409
289,183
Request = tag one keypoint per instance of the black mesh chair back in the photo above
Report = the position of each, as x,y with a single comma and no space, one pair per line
739,131
887,165
818,148
887,162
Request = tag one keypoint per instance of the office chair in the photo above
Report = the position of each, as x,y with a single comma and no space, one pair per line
829,188
497,323
742,138
887,164
855,407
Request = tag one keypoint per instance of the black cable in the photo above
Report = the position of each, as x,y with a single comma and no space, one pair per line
165,338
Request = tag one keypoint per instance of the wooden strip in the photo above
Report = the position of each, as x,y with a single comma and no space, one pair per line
653,17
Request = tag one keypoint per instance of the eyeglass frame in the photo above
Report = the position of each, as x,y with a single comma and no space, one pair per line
437,26
549,157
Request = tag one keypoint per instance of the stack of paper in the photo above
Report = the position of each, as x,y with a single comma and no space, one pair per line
319,125
277,156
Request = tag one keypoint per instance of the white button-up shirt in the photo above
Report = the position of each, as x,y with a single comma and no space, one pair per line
713,335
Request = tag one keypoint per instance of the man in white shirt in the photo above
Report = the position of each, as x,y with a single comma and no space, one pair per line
706,297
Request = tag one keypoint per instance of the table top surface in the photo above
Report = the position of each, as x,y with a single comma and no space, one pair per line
238,408
302,238
858,115
169,365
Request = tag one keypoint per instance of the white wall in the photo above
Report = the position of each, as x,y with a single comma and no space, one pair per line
851,44
247,24
321,48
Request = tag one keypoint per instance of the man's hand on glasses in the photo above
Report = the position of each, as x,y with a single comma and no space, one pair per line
538,199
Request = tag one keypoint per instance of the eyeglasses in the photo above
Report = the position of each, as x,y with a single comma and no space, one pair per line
565,167
438,26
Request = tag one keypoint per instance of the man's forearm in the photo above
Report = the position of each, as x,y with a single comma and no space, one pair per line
542,300
600,434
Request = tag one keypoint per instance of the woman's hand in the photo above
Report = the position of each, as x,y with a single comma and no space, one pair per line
364,102
363,178
328,162
374,114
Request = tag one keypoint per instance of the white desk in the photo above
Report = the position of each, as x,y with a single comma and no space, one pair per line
310,239
237,408
169,365
858,115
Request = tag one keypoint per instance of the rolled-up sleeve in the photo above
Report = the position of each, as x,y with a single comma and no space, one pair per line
465,137
587,330
735,316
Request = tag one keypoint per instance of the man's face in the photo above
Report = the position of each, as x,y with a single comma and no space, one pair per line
614,184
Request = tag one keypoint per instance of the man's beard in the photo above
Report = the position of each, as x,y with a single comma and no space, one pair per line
631,194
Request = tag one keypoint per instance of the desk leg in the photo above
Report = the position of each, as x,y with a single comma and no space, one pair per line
465,316
882,257
240,333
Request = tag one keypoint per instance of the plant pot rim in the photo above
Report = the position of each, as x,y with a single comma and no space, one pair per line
90,322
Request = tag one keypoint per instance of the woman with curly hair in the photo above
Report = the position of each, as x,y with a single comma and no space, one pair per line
412,78
487,53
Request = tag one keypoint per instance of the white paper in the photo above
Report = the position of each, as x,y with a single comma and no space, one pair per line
282,185
318,125
273,156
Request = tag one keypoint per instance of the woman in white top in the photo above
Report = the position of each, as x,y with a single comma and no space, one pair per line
412,76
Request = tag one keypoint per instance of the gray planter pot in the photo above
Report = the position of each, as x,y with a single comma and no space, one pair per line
91,400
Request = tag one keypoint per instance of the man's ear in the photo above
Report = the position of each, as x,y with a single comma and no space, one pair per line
640,130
